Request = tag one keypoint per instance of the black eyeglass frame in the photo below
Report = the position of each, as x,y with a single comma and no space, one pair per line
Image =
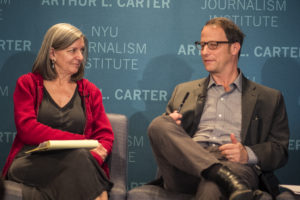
202,44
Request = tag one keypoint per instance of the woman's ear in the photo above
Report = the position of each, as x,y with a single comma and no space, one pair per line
52,53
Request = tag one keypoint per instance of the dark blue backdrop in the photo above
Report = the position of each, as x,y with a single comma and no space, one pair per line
140,49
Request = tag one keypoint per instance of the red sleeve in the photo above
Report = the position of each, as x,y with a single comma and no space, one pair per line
101,127
30,131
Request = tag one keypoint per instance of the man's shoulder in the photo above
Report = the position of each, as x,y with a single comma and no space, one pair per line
263,93
260,88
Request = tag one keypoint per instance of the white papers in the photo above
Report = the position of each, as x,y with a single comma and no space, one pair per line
65,144
293,188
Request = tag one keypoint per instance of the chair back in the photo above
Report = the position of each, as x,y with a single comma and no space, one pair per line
118,158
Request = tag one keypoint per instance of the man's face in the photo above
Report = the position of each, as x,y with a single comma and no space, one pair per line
220,59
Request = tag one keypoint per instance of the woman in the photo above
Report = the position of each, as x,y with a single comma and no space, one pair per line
55,102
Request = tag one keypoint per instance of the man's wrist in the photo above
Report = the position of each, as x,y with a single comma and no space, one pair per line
252,158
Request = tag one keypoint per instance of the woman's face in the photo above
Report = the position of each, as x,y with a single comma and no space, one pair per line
68,60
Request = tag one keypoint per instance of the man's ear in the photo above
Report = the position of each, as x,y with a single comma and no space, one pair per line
235,48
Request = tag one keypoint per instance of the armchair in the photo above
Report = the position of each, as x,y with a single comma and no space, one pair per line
154,191
117,163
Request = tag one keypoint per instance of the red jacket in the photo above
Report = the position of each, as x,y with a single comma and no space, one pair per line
28,96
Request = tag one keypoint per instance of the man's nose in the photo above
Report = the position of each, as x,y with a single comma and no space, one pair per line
204,50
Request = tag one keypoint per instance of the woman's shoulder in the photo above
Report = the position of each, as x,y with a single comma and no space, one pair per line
87,85
29,78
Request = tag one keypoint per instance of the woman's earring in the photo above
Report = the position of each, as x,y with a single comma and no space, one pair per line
52,64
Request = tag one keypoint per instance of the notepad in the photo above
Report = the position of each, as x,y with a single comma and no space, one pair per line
294,188
64,144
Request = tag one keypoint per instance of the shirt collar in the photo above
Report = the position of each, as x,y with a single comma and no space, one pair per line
237,82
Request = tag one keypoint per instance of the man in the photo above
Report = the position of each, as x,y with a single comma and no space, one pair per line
229,129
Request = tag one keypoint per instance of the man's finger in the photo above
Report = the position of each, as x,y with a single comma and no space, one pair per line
233,139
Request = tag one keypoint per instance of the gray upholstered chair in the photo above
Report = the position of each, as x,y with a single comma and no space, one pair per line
117,163
118,159
155,192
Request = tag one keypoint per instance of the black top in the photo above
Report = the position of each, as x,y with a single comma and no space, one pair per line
69,118
51,172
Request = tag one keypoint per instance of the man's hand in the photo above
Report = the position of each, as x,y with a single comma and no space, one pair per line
235,151
176,117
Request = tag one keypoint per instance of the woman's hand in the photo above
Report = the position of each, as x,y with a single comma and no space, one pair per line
101,151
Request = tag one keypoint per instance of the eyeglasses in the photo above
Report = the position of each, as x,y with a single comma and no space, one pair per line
212,45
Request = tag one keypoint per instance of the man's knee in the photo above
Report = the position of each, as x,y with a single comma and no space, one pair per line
159,127
154,126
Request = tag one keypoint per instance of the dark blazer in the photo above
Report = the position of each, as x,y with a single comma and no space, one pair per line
264,119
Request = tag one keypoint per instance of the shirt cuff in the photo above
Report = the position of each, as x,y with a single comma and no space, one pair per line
252,158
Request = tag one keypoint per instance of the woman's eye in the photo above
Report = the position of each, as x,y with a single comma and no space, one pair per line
72,50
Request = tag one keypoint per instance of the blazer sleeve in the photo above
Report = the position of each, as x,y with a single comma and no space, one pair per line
271,148
170,106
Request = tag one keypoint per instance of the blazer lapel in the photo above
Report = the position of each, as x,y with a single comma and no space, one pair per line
200,95
249,98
